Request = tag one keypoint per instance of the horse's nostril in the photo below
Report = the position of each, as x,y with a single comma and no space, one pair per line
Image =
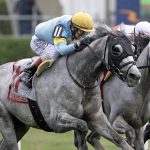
135,77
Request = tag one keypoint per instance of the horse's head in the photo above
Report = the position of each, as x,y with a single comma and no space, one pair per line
119,55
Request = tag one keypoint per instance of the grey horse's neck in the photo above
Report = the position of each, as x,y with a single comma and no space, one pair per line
82,64
143,60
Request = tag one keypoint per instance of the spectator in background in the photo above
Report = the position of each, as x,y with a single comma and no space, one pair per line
26,7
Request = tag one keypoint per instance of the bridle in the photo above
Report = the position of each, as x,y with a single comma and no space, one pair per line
117,69
110,66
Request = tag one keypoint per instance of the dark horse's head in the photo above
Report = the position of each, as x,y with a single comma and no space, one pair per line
118,54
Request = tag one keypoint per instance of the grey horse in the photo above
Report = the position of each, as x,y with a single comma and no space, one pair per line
128,109
67,93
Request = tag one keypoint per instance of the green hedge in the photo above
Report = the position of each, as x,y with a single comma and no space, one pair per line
4,25
13,49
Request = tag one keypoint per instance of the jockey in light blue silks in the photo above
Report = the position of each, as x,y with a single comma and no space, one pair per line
138,34
55,38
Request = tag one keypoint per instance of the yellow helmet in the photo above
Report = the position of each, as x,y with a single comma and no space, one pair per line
83,21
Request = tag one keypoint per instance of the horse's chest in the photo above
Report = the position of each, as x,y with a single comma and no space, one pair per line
136,118
133,119
75,109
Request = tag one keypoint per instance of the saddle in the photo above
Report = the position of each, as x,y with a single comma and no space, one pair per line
43,66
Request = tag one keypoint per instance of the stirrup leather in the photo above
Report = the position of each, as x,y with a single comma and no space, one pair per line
43,66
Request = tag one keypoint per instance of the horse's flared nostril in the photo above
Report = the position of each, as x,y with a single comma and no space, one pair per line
133,76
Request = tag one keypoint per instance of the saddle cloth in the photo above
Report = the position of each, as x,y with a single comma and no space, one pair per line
18,91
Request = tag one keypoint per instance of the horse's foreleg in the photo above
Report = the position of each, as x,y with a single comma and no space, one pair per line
3,145
94,139
7,129
78,141
122,127
66,122
20,130
99,123
139,140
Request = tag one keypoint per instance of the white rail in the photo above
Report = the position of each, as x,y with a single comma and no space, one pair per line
19,145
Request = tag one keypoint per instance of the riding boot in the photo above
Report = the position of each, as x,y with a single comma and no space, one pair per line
29,72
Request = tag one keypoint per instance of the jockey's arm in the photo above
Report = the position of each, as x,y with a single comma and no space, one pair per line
60,44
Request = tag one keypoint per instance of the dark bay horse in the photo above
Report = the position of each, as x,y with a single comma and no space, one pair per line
128,109
67,93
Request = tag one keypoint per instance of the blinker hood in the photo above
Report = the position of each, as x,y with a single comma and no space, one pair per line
115,60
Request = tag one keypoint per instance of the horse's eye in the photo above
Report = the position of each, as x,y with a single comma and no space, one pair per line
117,50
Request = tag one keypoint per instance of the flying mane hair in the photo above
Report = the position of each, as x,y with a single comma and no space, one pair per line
100,30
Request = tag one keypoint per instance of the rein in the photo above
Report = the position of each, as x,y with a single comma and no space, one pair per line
73,78
143,67
77,82
110,66
146,66
148,63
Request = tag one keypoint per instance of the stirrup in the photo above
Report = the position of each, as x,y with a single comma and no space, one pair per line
43,66
108,75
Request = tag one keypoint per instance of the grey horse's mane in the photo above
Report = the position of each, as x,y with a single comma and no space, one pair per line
101,30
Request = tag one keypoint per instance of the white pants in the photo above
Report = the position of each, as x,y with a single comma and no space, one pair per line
42,48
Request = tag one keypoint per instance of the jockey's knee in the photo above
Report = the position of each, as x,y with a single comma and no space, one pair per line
51,52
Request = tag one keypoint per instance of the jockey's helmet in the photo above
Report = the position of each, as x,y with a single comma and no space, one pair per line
82,21
142,30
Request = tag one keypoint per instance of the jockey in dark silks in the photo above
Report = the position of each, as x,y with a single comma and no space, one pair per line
54,38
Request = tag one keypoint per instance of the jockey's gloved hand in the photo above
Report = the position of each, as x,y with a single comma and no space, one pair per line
78,47
83,43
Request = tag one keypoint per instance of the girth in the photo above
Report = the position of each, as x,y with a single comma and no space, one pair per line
37,115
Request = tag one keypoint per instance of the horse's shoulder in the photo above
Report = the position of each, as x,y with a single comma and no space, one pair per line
6,66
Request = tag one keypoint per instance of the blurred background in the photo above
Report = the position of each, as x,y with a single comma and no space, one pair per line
18,19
